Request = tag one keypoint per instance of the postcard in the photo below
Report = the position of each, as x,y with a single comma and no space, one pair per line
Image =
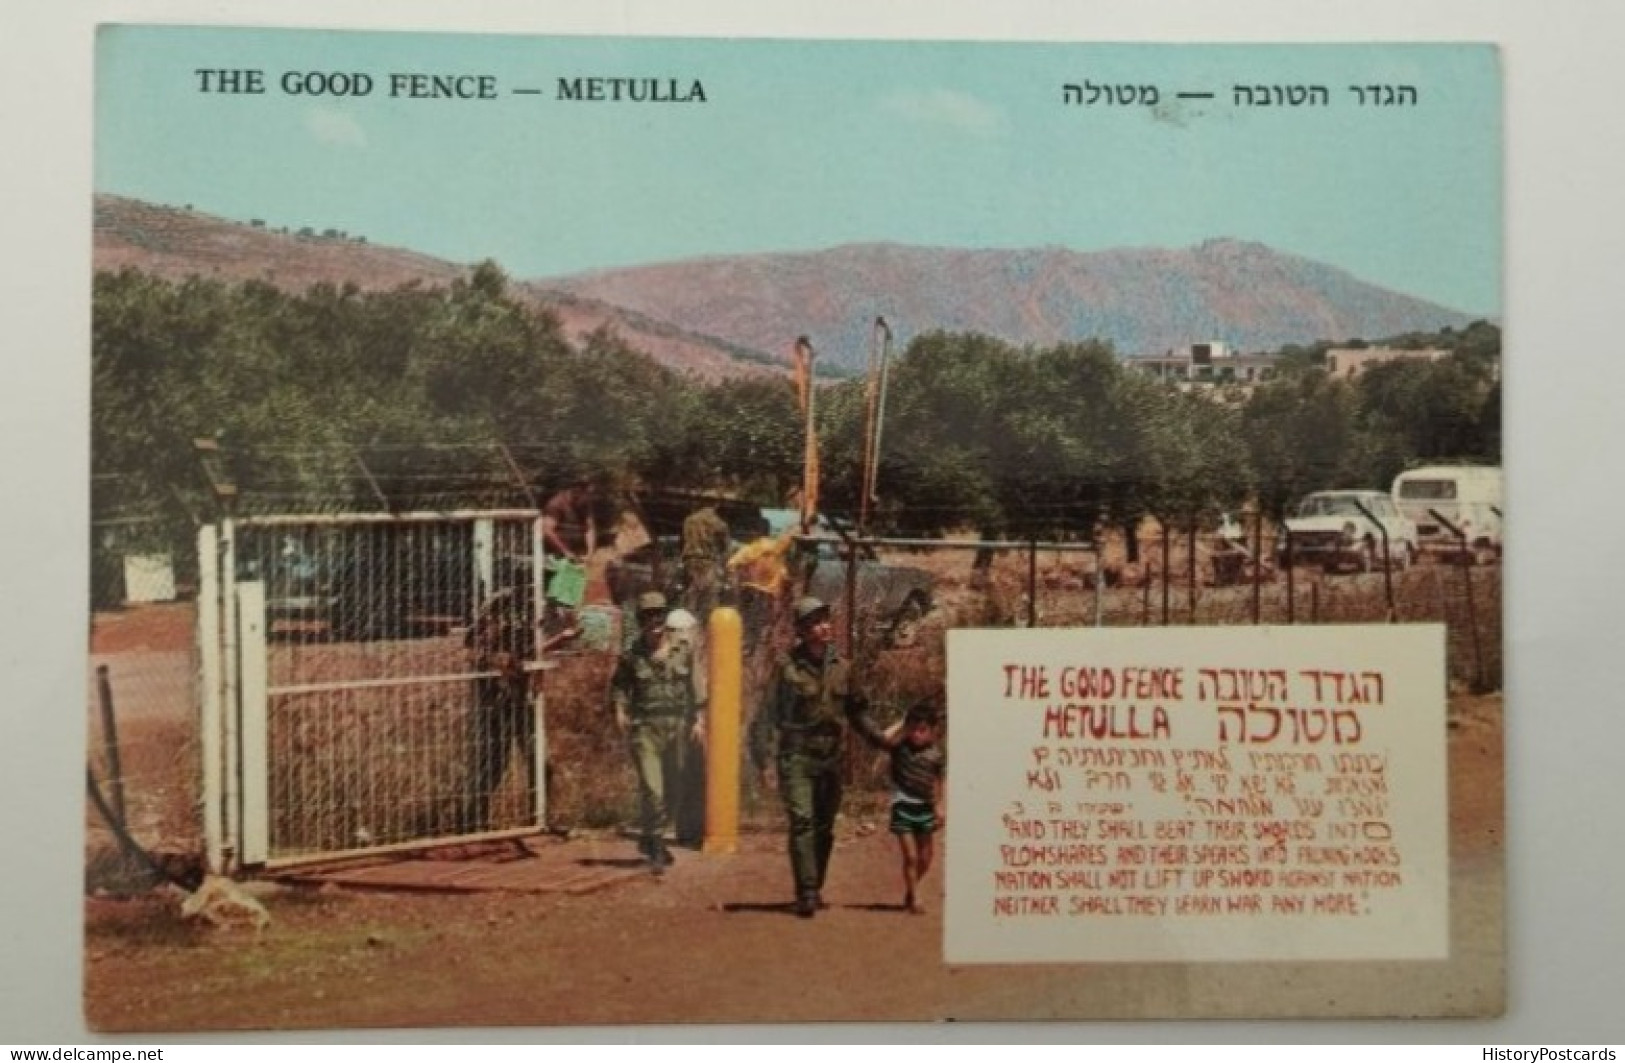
604,530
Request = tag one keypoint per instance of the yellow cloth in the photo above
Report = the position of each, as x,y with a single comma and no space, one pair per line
761,563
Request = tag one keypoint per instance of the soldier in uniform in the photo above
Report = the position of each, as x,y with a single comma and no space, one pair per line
657,707
503,644
805,717
502,722
705,546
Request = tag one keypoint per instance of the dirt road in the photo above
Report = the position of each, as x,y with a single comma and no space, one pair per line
714,941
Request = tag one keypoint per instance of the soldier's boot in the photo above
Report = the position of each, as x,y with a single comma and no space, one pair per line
807,904
655,854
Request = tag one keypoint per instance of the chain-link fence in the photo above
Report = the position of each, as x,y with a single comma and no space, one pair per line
142,765
143,690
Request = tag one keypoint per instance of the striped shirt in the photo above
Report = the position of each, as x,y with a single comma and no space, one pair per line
915,771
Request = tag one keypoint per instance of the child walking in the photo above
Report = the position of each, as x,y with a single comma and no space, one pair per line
917,766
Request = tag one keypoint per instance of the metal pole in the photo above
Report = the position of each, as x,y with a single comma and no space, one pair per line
809,457
1387,561
538,700
232,849
1032,583
1145,595
212,704
1100,586
851,601
115,767
722,732
1291,579
871,394
1467,585
1190,566
1167,573
880,409
1258,566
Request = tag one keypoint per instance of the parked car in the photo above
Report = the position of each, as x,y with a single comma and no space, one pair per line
1345,529
399,582
360,582
296,571
1468,496
891,599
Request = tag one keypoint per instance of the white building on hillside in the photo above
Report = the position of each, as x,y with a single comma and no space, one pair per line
1206,364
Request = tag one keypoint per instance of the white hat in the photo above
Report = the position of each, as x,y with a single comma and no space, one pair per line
680,620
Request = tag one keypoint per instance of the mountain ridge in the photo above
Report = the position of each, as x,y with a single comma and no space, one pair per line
720,316
1142,300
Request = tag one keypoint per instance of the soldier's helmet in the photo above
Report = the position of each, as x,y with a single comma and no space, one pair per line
651,602
809,609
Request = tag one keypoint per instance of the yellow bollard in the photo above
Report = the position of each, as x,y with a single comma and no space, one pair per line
722,732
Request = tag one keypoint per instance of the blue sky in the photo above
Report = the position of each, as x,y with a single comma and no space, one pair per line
805,145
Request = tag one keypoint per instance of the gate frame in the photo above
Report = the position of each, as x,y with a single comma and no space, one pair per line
234,695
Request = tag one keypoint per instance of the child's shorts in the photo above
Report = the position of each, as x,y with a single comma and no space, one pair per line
913,817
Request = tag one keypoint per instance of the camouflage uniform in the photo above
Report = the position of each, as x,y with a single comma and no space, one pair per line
655,689
807,714
705,546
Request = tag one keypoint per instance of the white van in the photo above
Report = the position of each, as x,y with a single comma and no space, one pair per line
1468,496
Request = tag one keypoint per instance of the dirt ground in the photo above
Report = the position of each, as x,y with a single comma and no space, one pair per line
715,941
712,941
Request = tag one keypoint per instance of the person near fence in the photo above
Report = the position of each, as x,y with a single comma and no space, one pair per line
705,545
657,707
763,576
813,701
917,765
569,524
502,641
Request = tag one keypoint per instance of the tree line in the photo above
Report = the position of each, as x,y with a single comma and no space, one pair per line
1022,442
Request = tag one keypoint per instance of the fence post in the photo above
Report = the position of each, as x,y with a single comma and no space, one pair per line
1100,586
1190,570
211,704
1291,563
1258,566
851,601
253,733
1032,583
1467,584
115,768
538,699
1167,569
1387,561
231,702
1145,595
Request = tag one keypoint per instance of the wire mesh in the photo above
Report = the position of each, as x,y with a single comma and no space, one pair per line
387,724
142,745
400,654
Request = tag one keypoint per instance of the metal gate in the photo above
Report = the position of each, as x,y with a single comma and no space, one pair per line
366,683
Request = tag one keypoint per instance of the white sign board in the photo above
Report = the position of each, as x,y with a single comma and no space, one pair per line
1236,793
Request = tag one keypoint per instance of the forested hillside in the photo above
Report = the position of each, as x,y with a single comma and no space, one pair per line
338,398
